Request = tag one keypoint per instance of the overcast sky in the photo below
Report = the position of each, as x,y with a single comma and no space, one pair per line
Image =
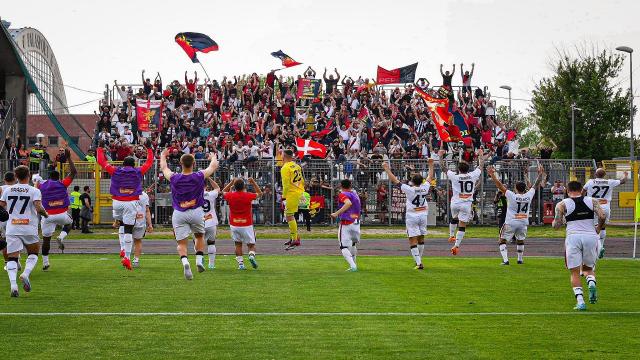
511,42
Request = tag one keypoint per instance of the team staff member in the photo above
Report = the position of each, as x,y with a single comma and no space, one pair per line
241,218
75,206
86,213
292,189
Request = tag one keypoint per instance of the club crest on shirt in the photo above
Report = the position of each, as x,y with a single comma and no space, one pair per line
186,204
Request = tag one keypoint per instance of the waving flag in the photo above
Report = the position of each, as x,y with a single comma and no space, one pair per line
310,147
440,114
192,43
405,74
149,115
287,61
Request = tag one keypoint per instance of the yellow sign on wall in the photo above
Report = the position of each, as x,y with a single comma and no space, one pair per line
626,199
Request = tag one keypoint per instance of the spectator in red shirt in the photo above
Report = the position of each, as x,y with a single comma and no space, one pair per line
191,84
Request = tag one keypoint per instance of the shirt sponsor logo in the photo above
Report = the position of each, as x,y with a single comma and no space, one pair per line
126,191
19,221
603,201
422,208
239,220
521,216
56,203
464,196
186,204
208,217
139,216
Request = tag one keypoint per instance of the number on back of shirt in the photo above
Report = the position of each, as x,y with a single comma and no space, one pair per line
419,200
523,207
206,206
597,189
22,207
466,186
296,176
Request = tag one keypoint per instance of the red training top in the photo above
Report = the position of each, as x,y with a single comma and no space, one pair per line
240,209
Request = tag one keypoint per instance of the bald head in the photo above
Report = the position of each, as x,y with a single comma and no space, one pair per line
600,173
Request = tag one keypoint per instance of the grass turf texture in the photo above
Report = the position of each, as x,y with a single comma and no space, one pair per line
91,283
368,232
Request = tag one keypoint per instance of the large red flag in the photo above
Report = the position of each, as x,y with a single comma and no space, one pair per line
310,147
440,114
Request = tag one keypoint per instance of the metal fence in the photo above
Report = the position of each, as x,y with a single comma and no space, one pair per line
383,204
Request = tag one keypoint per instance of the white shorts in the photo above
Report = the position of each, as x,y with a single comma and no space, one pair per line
139,232
125,211
15,242
513,228
187,222
348,235
581,249
48,224
607,212
243,234
416,225
210,233
461,211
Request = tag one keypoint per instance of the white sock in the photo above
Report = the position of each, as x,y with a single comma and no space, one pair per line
45,259
503,252
240,260
12,271
199,259
520,250
416,255
252,254
591,281
63,235
128,245
354,252
347,256
211,249
459,237
31,262
136,259
421,249
121,237
452,229
577,291
603,235
185,261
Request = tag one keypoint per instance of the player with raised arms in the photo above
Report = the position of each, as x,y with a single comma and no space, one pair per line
602,189
581,242
55,199
23,202
292,189
211,194
463,186
125,189
349,226
517,217
241,218
187,194
416,209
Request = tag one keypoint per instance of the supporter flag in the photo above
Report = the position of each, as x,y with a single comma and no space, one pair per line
405,74
440,114
460,122
192,43
363,113
310,147
287,61
149,115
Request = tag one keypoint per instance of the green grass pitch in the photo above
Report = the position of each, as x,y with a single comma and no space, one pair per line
456,304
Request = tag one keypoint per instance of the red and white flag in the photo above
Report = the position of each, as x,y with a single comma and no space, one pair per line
310,147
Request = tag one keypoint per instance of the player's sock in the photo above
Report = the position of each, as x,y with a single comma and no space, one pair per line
520,250
185,260
128,245
199,257
293,230
452,229
504,252
63,235
31,262
354,252
591,281
416,254
12,271
577,291
240,260
121,237
459,235
603,235
348,256
421,249
45,259
211,250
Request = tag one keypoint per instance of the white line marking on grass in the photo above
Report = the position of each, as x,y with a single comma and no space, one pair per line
302,314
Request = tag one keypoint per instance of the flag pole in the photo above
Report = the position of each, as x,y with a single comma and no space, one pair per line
203,69
635,237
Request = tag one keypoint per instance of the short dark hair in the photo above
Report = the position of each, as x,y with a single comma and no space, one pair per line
76,188
417,179
86,187
521,186
54,175
187,160
288,152
9,176
345,184
574,186
22,172
238,184
129,161
463,167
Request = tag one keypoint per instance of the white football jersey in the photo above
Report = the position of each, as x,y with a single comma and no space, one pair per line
416,199
23,217
141,212
518,206
601,189
209,207
463,185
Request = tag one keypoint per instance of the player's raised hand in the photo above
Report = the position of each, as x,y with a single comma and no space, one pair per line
430,161
491,170
385,165
441,152
67,153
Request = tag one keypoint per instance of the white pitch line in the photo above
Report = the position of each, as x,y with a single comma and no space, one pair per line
302,314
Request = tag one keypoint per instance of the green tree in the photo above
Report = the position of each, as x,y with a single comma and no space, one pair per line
587,80
524,124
